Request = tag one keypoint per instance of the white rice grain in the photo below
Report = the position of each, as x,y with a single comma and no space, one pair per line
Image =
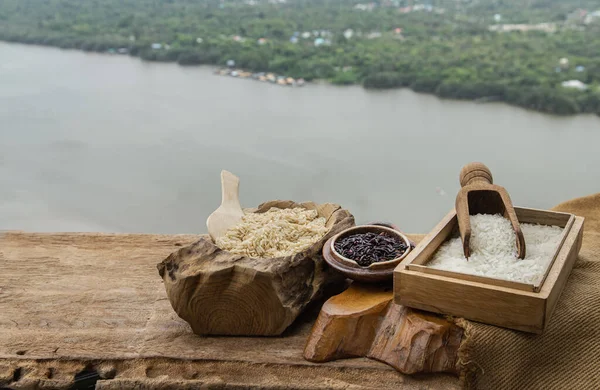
494,252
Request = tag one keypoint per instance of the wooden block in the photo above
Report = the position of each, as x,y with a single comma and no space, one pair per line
364,321
508,304
221,293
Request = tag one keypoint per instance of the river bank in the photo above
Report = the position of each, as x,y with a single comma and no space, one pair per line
554,101
263,77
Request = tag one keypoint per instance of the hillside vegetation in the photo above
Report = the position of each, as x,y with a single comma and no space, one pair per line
441,47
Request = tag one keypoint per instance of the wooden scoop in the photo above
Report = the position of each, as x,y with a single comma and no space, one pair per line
230,212
479,195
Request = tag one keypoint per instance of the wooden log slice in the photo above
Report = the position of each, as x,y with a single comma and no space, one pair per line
221,293
363,321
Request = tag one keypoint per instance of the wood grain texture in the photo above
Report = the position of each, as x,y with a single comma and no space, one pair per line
221,293
566,230
71,300
484,299
494,305
364,321
543,217
561,268
432,241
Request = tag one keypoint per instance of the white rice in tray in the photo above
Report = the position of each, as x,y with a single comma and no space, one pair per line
494,250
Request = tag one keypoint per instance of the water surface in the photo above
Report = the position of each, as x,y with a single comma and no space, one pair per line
92,142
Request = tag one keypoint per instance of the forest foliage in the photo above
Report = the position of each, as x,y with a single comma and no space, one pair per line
446,49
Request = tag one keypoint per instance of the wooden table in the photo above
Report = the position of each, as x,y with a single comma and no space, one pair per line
74,300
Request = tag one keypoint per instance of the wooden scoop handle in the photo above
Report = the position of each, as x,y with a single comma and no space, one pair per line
230,189
475,172
479,195
230,212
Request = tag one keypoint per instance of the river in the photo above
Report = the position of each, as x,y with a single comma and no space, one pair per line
93,142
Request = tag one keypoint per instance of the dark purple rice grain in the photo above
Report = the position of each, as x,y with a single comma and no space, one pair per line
369,248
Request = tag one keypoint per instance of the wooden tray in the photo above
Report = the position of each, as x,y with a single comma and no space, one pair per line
509,304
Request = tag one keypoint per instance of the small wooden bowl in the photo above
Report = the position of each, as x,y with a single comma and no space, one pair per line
376,272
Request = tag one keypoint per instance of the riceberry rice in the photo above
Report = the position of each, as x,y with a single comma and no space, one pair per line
369,248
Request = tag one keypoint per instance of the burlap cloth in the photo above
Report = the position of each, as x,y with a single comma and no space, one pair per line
567,355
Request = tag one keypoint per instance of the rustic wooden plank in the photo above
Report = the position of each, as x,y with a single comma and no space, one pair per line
161,373
86,298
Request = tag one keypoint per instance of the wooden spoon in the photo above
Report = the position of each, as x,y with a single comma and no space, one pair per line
479,196
230,211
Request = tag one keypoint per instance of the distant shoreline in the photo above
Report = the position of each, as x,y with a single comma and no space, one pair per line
217,67
265,77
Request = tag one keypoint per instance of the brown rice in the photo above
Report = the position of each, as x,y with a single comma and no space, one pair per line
274,233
